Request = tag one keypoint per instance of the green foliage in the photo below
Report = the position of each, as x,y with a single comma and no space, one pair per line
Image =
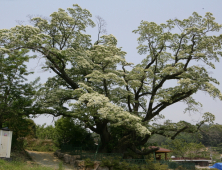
22,128
61,166
65,132
88,163
217,149
151,165
211,135
42,140
183,149
16,96
110,162
123,165
42,145
69,131
45,132
116,164
190,137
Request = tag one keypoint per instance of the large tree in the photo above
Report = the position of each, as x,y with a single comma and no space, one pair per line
103,91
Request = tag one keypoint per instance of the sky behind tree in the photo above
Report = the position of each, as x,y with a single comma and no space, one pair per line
122,17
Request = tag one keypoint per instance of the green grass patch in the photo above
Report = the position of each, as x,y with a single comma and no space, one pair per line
19,165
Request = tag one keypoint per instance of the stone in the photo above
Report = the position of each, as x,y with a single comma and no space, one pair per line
96,165
67,158
89,168
79,168
57,152
79,163
103,168
72,160
60,155
77,156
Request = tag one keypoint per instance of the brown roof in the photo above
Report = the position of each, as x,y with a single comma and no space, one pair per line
161,150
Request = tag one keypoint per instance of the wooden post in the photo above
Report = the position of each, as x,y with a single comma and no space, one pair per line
154,156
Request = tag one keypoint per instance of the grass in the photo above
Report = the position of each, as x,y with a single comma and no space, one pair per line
19,165
22,161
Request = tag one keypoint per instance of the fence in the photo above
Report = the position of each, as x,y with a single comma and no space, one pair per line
71,150
185,165
135,161
99,156
171,165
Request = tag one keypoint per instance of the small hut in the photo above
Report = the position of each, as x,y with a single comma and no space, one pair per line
157,155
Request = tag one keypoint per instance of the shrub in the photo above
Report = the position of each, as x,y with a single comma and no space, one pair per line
116,164
69,131
89,163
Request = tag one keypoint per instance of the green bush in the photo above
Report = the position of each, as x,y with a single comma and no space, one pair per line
43,145
111,162
116,164
66,131
69,131
21,127
152,165
45,132
89,163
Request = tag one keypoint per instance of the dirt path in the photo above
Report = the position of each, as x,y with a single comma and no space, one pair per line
47,159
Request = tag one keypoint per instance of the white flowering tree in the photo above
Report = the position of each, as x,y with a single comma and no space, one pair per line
103,91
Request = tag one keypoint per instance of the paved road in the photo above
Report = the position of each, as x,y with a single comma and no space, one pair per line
47,159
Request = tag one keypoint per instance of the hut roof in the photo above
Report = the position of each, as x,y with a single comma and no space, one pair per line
161,150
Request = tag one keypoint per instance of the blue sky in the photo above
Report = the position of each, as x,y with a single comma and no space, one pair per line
122,17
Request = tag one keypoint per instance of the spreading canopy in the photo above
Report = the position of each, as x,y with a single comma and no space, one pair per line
97,82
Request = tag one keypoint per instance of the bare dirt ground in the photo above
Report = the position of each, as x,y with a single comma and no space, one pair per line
47,159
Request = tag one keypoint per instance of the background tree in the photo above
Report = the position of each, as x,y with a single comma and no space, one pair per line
16,95
186,150
71,132
211,135
45,132
101,94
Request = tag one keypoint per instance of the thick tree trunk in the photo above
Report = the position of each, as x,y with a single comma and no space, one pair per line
132,142
126,142
104,137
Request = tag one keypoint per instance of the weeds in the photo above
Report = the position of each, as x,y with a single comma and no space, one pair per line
41,145
60,166
18,165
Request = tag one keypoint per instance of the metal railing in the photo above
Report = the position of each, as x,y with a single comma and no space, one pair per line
100,156
185,165
71,149
135,161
